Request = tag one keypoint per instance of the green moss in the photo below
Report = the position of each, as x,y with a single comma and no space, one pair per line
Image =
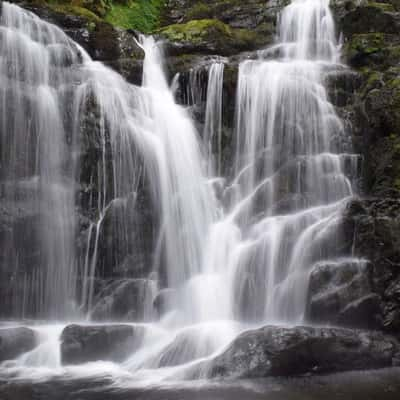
142,15
195,30
373,49
386,7
76,10
366,43
213,35
373,79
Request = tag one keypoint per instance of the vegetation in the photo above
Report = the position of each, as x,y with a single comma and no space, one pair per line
141,15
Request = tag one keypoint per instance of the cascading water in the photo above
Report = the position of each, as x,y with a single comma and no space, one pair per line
230,264
291,180
213,121
37,164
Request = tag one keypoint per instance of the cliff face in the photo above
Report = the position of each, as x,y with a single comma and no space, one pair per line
367,97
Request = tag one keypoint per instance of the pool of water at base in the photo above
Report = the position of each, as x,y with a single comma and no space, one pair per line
360,385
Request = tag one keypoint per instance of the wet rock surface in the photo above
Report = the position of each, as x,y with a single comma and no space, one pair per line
82,344
16,341
342,293
124,300
374,226
275,351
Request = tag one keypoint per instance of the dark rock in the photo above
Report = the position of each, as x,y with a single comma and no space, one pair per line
373,226
342,293
164,301
365,16
276,351
126,238
81,344
16,341
20,245
364,312
372,46
125,300
253,14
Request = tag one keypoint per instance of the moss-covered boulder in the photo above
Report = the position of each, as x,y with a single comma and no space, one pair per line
365,16
141,15
211,36
250,14
372,49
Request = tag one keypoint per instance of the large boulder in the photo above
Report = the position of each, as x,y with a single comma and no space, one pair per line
342,293
276,351
81,344
16,341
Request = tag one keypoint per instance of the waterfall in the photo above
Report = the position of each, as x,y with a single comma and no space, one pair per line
37,159
212,135
291,180
49,78
232,261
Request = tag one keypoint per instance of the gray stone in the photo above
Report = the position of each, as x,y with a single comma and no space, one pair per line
276,351
124,300
81,344
342,293
16,341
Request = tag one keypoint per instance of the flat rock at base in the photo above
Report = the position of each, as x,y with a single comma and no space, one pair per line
81,344
16,341
276,351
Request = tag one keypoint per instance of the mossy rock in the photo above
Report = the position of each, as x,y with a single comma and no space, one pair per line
373,49
200,10
385,164
249,14
90,10
141,15
98,7
212,36
76,10
367,17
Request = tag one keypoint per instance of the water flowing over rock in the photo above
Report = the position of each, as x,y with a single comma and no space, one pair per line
125,300
82,344
16,341
274,351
